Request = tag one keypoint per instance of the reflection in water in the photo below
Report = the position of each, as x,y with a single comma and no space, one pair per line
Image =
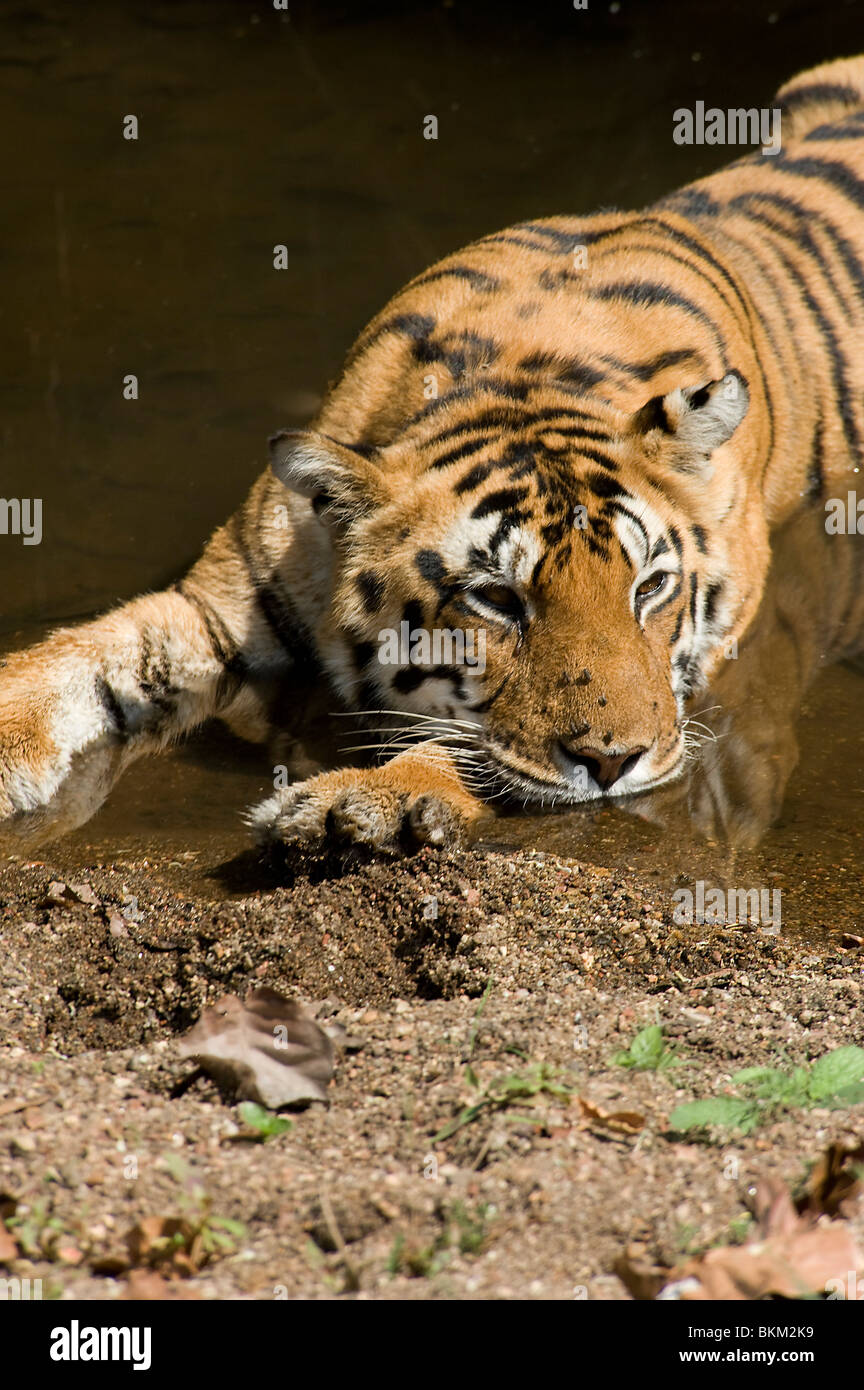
811,616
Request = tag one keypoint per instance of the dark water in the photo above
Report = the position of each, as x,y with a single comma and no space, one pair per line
154,257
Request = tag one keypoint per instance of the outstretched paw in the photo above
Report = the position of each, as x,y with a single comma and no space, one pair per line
384,809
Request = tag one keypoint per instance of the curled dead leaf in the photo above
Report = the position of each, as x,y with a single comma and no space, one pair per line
266,1049
624,1122
788,1255
835,1183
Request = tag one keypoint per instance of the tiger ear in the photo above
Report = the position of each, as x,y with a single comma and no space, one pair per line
696,419
342,482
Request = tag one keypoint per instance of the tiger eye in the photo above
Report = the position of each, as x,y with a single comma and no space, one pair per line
502,599
651,586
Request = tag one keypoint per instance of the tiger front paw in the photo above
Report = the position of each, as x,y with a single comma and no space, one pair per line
386,809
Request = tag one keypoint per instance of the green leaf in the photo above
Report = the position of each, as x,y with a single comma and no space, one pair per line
723,1112
648,1052
836,1072
754,1075
228,1223
647,1047
263,1121
850,1095
463,1118
775,1086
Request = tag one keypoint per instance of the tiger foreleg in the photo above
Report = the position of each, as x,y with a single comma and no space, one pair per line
81,705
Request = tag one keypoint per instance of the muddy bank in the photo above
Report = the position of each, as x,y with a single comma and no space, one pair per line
447,972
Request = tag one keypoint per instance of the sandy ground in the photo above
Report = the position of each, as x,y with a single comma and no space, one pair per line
447,972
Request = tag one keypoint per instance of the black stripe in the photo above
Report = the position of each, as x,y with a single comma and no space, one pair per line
478,279
510,390
816,473
625,511
833,171
700,249
499,501
413,326
460,451
274,606
801,236
650,294
505,239
566,242
562,368
109,700
803,241
580,432
849,128
602,486
712,595
646,371
409,678
691,202
667,253
843,393
371,588
815,93
477,475
694,596
225,649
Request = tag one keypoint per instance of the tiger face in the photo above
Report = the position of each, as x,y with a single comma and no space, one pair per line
517,580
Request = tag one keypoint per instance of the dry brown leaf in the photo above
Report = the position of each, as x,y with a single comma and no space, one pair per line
267,1048
168,1242
833,1186
639,1274
146,1286
619,1121
788,1256
789,1266
8,1246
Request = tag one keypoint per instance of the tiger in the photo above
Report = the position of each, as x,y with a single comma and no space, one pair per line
566,445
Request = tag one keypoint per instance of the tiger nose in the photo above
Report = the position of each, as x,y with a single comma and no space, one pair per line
605,768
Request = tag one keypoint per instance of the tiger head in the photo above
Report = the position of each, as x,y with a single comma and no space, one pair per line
538,583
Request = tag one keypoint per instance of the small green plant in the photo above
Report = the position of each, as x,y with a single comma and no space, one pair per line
214,1234
648,1052
475,1027
219,1234
36,1231
505,1091
463,1230
265,1124
835,1081
739,1228
470,1225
